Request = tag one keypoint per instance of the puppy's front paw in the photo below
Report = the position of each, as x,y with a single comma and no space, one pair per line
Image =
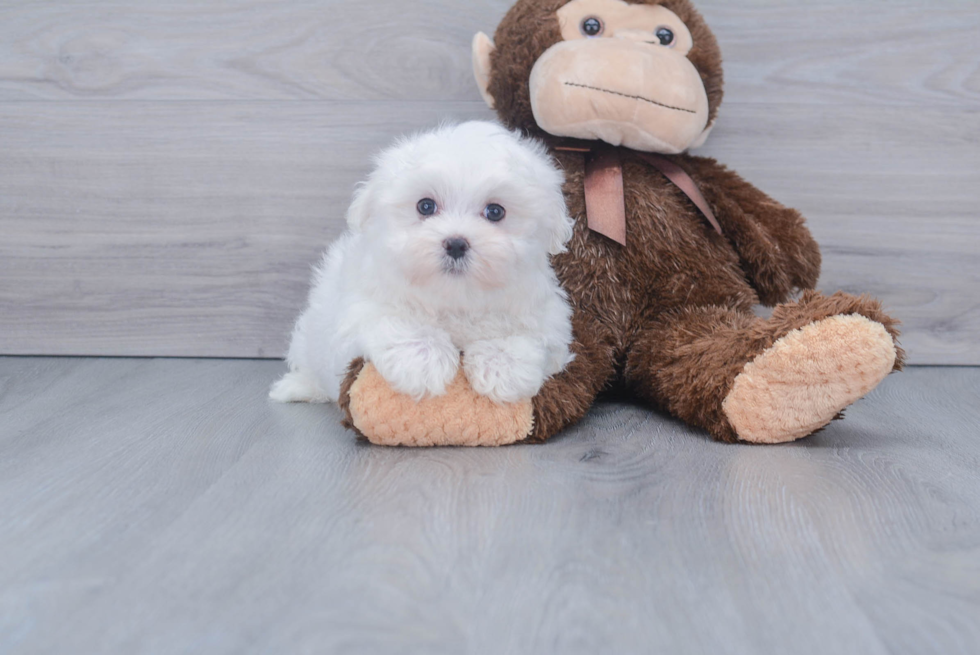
505,370
420,366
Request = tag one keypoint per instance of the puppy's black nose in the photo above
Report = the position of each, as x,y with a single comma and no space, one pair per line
456,247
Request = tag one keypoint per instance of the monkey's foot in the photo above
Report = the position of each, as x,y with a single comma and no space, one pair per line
461,417
807,377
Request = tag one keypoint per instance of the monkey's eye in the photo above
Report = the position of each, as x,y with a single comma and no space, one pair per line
666,35
494,212
592,26
427,207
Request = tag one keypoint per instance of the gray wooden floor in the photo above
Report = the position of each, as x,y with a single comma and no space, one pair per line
165,506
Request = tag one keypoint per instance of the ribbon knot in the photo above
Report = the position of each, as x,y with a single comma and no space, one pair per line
605,206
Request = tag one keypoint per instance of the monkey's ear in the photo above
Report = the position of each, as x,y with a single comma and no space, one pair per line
698,142
482,47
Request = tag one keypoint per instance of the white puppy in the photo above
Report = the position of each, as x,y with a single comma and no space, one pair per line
447,251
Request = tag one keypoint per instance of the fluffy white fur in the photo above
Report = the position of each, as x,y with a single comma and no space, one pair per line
388,291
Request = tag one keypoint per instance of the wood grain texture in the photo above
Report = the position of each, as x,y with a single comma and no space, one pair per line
189,228
162,506
892,196
168,173
176,229
779,51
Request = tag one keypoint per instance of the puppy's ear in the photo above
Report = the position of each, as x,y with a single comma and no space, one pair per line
540,167
562,225
551,181
360,208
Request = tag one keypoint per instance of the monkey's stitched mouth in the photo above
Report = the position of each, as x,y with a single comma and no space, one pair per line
631,97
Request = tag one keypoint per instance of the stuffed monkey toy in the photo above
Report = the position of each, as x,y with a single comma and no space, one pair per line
670,253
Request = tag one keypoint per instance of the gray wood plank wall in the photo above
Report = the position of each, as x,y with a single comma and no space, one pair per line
169,171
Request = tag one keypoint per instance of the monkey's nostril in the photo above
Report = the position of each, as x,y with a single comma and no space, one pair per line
456,247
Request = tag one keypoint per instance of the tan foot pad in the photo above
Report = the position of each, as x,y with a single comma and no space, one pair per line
806,378
461,417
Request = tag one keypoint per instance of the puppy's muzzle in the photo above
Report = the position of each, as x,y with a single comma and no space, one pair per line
456,247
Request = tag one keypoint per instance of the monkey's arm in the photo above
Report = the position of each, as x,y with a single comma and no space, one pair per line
777,250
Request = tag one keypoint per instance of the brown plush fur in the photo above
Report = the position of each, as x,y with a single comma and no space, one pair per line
669,314
696,353
672,310
344,400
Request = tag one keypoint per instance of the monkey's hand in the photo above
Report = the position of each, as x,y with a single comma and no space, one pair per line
778,252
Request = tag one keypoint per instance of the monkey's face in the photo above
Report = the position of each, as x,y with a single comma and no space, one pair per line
621,75
615,71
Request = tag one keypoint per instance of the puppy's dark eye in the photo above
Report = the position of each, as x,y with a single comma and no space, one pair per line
427,207
591,26
666,35
494,213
